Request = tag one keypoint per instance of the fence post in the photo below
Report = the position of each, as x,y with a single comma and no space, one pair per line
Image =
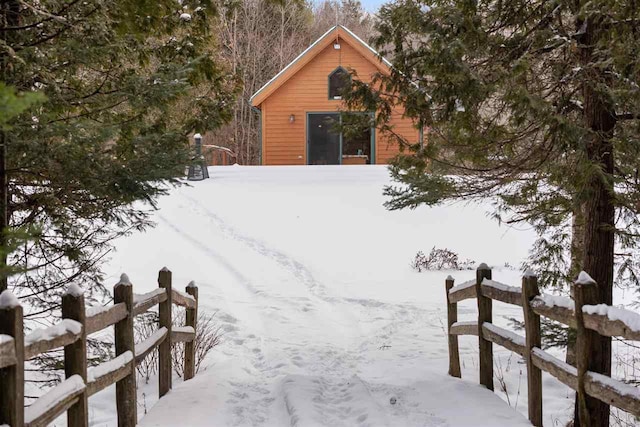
533,340
585,293
452,317
485,347
126,395
75,354
190,347
12,377
164,349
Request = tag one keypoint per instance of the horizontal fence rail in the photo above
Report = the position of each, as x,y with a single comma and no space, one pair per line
71,334
581,314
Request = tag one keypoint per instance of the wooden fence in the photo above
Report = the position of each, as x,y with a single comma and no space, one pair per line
582,313
71,333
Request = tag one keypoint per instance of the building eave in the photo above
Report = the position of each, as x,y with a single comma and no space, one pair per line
264,92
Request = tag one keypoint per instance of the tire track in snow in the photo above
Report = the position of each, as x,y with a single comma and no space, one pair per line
237,274
299,270
242,279
319,361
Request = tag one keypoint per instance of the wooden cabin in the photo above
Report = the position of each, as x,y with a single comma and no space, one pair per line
301,107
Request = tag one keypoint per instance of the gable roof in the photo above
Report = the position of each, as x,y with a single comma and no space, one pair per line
311,52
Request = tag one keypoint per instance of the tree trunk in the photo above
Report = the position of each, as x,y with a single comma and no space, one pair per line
10,18
598,205
577,258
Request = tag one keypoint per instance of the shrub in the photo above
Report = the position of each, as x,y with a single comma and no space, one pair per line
440,259
207,337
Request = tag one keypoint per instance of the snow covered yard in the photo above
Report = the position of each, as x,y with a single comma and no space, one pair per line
325,323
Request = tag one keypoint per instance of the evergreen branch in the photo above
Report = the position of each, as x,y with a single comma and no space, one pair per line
88,113
627,116
49,17
54,35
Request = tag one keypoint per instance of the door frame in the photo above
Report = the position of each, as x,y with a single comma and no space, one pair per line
339,113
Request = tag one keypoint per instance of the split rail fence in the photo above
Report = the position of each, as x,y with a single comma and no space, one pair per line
71,333
581,313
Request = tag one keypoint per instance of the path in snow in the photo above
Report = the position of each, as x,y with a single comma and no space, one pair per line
324,322
335,401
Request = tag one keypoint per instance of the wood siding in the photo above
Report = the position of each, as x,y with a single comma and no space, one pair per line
285,143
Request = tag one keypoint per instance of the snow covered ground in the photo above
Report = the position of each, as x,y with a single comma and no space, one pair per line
325,323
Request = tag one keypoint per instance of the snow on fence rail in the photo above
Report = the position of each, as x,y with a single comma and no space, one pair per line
71,333
581,314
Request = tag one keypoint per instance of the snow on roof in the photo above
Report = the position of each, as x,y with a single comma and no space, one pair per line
297,58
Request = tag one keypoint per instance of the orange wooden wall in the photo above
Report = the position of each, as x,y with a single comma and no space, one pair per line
284,143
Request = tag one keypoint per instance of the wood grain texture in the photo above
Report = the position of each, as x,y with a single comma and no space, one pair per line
126,394
153,299
106,318
164,349
533,339
508,297
466,328
182,300
8,353
601,388
12,377
565,373
587,344
559,314
75,359
43,345
463,294
452,318
144,348
191,318
41,417
99,383
48,417
178,335
485,315
609,328
501,337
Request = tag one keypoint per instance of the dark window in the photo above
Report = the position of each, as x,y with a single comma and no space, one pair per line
338,80
356,139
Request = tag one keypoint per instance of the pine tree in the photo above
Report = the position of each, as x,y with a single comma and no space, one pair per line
532,103
122,84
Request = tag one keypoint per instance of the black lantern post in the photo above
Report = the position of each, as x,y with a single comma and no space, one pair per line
198,168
